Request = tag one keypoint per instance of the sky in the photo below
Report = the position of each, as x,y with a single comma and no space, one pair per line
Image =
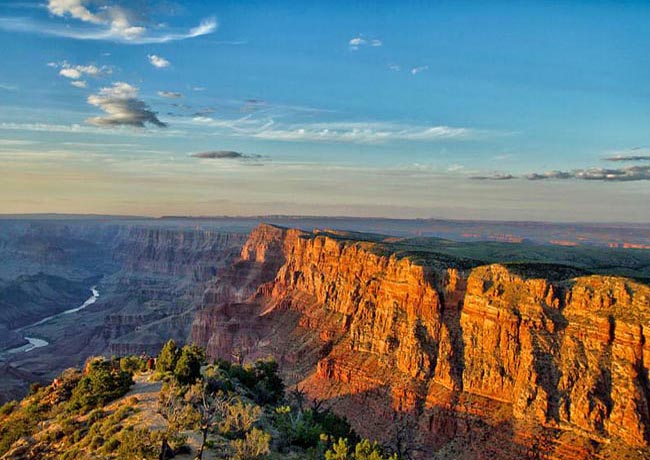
466,110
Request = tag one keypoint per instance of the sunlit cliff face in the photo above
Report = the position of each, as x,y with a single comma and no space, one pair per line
452,347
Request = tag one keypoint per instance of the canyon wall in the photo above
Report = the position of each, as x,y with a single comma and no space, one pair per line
503,357
163,273
194,253
150,277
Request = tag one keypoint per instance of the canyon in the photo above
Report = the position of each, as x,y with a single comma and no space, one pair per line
462,348
447,353
150,276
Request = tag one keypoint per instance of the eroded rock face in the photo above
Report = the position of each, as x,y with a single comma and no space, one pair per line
191,253
455,348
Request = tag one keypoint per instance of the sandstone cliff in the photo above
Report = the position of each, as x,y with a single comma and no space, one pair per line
504,357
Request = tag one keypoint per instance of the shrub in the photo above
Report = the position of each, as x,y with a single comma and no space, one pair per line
240,417
306,428
138,444
255,445
187,369
132,364
364,450
8,408
261,379
103,382
339,451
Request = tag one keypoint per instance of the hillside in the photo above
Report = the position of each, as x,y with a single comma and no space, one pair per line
182,409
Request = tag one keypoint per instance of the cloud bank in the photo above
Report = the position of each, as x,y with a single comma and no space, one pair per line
122,107
627,174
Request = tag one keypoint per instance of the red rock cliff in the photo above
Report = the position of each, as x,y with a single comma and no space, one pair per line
492,354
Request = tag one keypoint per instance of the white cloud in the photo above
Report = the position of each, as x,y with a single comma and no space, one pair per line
104,20
417,70
75,72
118,19
394,67
79,83
158,61
123,108
70,73
360,41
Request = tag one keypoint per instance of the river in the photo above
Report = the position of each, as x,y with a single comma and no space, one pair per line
35,342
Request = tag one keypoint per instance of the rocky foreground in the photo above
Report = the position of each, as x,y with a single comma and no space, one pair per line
449,354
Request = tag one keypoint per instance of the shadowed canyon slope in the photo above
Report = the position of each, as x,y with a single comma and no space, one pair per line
149,275
494,358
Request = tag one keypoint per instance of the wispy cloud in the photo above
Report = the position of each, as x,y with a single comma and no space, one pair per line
103,20
76,128
360,41
158,61
170,94
79,83
14,142
122,107
628,158
419,69
361,133
337,132
633,154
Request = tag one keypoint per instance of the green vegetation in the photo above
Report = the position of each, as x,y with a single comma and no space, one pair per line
364,450
529,259
102,382
67,407
231,411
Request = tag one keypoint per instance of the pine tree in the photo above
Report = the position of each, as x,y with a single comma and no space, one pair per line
167,358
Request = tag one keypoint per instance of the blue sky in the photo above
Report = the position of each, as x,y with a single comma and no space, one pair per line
535,110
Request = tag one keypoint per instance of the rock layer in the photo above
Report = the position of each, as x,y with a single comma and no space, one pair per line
460,350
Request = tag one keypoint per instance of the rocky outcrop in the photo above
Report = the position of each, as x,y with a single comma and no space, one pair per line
462,349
